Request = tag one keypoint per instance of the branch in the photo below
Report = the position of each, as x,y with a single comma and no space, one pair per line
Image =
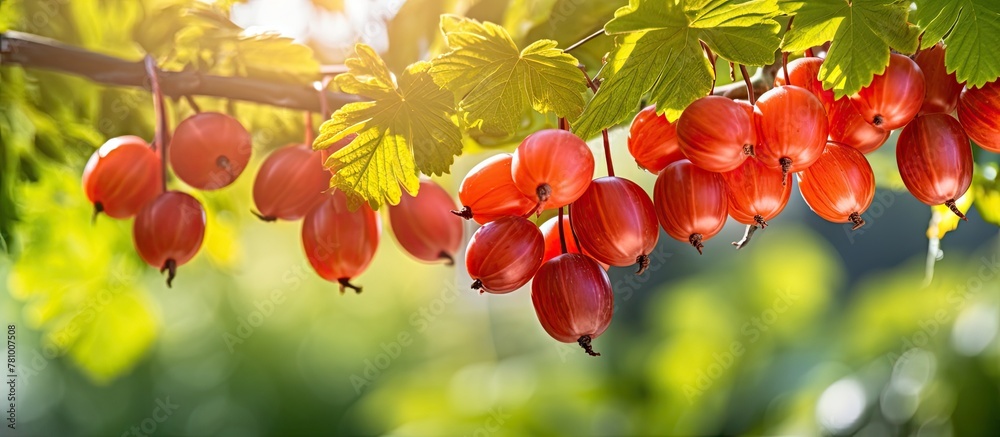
33,51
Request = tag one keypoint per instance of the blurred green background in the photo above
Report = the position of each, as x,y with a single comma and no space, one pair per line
812,329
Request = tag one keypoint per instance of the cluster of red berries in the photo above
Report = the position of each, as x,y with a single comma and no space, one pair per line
125,178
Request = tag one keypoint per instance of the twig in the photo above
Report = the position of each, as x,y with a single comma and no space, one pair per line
585,40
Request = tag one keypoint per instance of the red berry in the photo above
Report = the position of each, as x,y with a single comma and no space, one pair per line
552,166
573,299
122,176
652,140
168,231
840,186
616,223
804,72
756,193
209,150
338,242
504,254
690,202
935,160
553,246
894,97
791,128
424,225
848,127
488,192
942,88
716,133
290,183
979,112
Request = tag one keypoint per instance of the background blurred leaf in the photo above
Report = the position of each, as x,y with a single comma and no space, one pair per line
987,189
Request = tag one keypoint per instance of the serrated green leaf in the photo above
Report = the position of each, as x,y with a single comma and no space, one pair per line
407,127
861,31
496,82
658,50
970,29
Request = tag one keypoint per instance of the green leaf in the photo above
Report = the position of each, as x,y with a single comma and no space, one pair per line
496,82
861,31
407,127
970,29
658,51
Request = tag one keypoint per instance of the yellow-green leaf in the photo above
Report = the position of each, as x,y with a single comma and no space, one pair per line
944,220
987,190
658,51
496,82
861,31
409,126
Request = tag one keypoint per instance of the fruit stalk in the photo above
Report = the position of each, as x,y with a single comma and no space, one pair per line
604,133
746,78
562,234
161,116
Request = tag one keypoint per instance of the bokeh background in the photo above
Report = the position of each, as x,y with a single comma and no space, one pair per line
812,329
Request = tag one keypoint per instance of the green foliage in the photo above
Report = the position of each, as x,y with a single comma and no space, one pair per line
409,126
862,32
495,82
970,29
658,51
986,186
80,280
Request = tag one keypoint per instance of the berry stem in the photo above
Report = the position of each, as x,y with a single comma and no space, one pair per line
954,208
346,283
585,40
263,218
711,60
308,128
193,104
784,55
747,235
607,152
161,116
746,78
562,233
572,230
563,124
809,52
584,342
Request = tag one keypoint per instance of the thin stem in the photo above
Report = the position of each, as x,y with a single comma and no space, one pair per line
324,103
784,67
194,105
809,53
607,152
563,124
572,230
933,248
309,133
584,40
562,234
590,83
711,59
746,78
161,116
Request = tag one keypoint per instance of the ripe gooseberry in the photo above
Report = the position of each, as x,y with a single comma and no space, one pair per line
338,242
424,226
209,150
290,183
122,176
894,97
716,133
552,166
756,194
504,254
848,127
804,72
553,245
616,223
652,140
791,127
840,186
488,192
690,203
168,231
935,160
979,113
942,88
573,300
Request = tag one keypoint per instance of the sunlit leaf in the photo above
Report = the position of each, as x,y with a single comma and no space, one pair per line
862,32
496,82
409,126
970,29
658,51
